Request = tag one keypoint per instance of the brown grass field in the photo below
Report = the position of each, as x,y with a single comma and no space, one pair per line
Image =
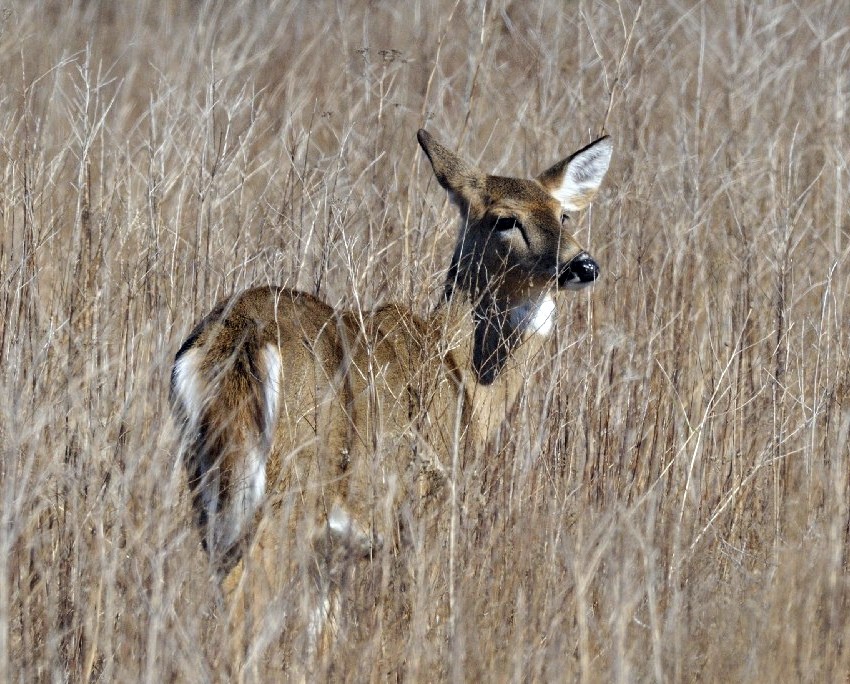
669,502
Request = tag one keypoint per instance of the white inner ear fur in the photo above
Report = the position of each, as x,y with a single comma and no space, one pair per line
583,176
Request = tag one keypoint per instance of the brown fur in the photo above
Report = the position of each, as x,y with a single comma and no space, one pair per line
372,407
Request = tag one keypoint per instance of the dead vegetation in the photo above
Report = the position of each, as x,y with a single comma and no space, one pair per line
671,501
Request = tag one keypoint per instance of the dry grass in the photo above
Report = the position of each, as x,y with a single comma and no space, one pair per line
680,513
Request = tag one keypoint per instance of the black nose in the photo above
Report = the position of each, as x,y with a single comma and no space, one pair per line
579,272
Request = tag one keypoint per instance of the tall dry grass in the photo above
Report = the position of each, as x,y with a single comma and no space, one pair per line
680,511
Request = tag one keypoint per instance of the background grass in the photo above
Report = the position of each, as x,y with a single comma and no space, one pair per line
670,499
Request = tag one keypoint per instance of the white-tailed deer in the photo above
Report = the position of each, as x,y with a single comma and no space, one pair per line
301,422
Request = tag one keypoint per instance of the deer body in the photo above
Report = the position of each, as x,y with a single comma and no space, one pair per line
301,421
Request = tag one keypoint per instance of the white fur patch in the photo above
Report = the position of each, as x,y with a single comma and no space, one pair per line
247,492
191,391
339,521
535,317
271,389
346,529
189,386
249,487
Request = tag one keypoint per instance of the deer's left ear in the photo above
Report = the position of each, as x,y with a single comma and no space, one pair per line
575,180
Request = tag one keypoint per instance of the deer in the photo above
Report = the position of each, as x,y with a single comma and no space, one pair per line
299,421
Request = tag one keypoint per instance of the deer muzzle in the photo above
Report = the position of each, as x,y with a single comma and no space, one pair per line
578,273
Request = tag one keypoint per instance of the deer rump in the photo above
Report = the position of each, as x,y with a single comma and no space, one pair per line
265,406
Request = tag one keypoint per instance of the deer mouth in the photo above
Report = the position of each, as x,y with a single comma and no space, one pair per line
578,273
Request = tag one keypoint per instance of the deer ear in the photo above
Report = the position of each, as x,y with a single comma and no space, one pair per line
575,180
463,180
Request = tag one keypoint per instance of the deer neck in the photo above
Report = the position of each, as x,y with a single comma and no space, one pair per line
495,345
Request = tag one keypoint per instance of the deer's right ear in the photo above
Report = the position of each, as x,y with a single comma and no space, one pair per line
575,180
463,181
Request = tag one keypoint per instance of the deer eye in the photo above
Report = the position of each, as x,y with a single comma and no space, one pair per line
565,219
506,223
